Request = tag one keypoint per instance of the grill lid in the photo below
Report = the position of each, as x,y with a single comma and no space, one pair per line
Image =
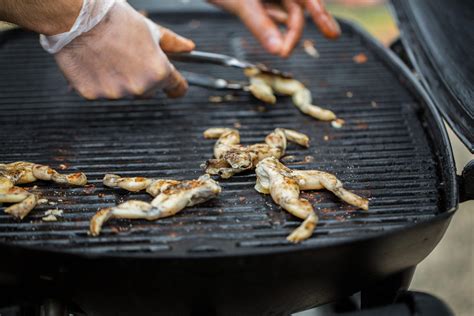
439,38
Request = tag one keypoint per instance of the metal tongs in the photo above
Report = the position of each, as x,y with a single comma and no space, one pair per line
222,60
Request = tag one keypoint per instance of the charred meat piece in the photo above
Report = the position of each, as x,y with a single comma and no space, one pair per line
26,172
231,157
284,185
171,197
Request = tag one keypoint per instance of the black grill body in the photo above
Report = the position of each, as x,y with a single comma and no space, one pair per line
228,255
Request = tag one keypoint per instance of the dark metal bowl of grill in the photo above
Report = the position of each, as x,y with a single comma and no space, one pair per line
228,255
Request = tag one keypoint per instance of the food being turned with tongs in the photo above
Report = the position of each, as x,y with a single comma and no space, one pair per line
264,85
170,197
230,157
284,185
264,81
22,172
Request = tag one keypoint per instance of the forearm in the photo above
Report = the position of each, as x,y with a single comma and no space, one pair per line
47,17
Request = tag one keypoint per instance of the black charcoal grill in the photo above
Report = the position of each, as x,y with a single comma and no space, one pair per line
227,256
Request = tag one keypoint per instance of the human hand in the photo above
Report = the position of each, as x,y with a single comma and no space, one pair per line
261,18
124,54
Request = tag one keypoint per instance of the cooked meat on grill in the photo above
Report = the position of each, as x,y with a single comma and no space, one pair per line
263,86
26,172
302,99
171,197
285,184
231,157
135,184
260,89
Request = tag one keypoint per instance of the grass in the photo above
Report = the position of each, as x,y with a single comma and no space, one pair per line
376,19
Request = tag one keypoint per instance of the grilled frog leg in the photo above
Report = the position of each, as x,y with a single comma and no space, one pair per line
262,89
26,172
133,184
231,157
172,197
22,208
273,178
42,172
316,180
263,86
284,185
130,209
302,99
136,184
227,138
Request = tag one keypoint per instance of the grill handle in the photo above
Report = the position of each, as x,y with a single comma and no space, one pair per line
466,183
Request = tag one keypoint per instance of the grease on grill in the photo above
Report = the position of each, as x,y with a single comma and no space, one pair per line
360,58
194,24
310,49
89,189
362,125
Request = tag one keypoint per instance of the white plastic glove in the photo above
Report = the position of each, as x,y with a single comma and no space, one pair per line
113,51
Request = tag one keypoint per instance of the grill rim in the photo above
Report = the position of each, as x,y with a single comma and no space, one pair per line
435,130
248,252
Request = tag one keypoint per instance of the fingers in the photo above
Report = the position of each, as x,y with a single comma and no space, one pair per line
276,12
119,59
295,24
161,76
171,42
170,81
325,22
255,17
175,85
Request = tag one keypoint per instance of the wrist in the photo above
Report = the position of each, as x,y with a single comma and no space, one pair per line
45,17
61,20
91,13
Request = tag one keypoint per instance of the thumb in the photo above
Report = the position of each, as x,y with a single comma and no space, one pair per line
171,42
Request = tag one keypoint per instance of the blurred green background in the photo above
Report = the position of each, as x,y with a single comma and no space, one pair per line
373,15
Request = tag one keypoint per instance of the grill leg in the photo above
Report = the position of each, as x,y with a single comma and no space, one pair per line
386,291
53,307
